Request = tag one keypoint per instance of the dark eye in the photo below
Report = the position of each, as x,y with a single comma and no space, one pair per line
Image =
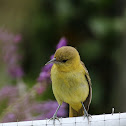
64,61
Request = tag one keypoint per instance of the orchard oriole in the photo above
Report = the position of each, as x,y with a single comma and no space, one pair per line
70,82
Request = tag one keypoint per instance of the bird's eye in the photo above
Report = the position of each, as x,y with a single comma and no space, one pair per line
64,61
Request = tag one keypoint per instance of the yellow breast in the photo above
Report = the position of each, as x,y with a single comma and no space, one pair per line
70,87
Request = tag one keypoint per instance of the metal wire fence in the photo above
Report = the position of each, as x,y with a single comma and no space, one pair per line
116,119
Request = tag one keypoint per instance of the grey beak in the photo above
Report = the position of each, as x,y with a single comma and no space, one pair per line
51,61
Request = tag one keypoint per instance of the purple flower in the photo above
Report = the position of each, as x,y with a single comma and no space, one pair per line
45,73
10,118
8,95
27,108
5,36
46,68
47,109
10,54
17,38
62,42
52,56
8,92
16,71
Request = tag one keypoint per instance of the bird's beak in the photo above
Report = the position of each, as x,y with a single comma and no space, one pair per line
51,61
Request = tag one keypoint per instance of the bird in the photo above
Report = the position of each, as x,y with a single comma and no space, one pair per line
71,82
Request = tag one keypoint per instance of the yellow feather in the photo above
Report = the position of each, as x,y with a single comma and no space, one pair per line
68,79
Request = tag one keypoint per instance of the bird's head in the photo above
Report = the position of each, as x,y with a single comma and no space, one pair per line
66,58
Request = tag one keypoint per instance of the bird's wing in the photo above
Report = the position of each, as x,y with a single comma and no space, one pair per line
88,99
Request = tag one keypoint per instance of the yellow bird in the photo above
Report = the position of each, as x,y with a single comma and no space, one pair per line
70,82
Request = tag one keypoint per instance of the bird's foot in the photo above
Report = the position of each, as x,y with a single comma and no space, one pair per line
54,118
88,116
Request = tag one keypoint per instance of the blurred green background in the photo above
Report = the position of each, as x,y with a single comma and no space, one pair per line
96,28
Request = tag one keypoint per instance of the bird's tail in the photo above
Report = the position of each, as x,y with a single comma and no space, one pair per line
74,113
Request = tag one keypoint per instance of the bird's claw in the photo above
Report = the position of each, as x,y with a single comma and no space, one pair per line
87,115
53,118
